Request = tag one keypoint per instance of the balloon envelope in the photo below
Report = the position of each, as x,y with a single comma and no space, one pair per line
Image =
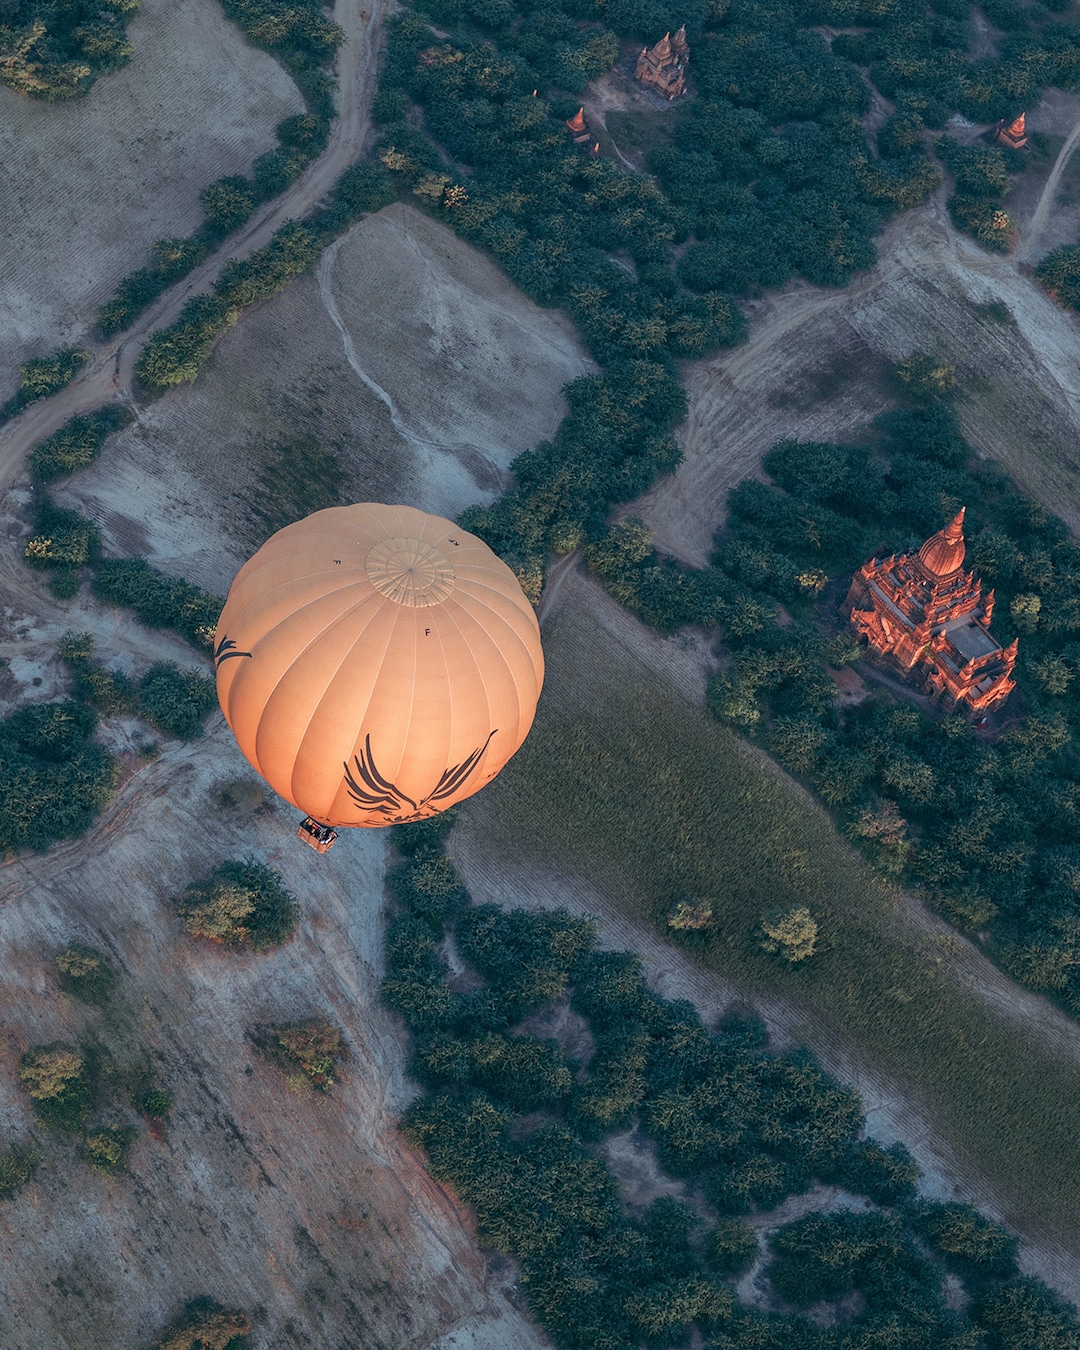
377,664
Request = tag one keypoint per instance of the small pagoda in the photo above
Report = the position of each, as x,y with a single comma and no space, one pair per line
579,131
1012,134
664,66
926,619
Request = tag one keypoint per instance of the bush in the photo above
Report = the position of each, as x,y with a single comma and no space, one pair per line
792,934
63,538
17,1166
58,1082
240,903
77,443
176,701
55,52
156,1103
731,1246
176,354
313,1046
85,974
106,1149
43,376
1025,1315
205,1325
158,600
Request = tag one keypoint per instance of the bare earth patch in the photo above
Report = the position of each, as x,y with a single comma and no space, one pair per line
88,185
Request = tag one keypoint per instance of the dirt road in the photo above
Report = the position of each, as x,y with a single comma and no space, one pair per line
1030,238
109,372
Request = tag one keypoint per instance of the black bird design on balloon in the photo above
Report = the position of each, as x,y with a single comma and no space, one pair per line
226,648
372,792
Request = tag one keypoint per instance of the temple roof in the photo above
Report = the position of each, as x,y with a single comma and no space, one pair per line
943,553
577,122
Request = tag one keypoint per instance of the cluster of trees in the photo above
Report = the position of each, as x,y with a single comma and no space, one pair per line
982,182
240,904
226,203
55,49
1059,272
307,1050
77,444
64,542
158,600
511,1125
54,780
42,376
986,829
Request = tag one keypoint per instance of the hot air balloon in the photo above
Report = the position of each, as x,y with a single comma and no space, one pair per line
376,665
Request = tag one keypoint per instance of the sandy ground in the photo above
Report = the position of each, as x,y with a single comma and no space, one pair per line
354,360
493,874
88,185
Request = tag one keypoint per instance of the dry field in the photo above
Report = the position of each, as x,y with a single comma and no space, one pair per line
351,363
814,364
88,185
306,1208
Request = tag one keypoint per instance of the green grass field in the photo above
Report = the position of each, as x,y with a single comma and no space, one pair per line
624,782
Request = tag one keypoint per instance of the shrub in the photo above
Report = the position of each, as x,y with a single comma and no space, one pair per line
1024,1315
156,1103
792,934
731,1246
205,1325
17,1166
53,731
63,538
58,1082
77,443
176,701
158,600
238,903
44,375
313,1046
176,354
106,1149
85,974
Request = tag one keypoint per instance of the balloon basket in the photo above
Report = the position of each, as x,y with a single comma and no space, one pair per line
319,837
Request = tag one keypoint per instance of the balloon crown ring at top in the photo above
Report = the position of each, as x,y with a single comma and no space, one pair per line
410,572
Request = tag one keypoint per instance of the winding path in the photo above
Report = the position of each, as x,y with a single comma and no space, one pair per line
108,373
1049,193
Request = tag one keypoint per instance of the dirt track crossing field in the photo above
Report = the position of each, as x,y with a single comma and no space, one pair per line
88,185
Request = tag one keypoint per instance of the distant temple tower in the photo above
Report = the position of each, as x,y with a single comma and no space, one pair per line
579,129
663,67
925,618
1012,134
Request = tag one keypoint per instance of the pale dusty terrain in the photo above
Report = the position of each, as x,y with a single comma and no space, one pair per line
356,360
88,185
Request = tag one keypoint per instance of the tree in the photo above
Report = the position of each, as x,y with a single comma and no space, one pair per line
57,1080
792,933
240,902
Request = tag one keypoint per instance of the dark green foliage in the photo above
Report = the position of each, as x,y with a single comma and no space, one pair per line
970,1244
176,701
156,1103
731,1246
56,50
77,443
176,354
158,600
53,779
1059,272
240,903
61,538
43,376
429,887
17,1166
86,974
1025,1315
227,203
362,188
268,270
298,33
170,261
746,1126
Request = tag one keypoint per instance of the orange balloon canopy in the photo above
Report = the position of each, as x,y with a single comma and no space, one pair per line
377,664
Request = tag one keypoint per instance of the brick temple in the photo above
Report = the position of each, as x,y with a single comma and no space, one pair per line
663,67
1012,134
926,619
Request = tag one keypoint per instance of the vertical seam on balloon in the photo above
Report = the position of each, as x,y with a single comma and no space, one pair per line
452,617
